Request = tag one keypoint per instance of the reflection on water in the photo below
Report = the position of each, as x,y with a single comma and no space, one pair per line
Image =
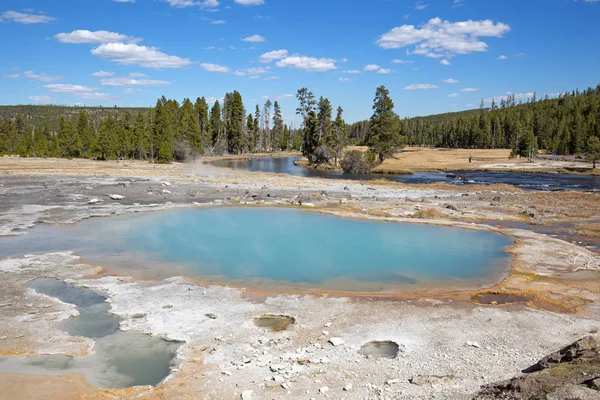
120,359
285,165
248,246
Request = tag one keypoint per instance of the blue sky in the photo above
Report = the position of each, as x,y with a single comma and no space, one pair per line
433,56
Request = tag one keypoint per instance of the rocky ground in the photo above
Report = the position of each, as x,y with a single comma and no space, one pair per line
449,346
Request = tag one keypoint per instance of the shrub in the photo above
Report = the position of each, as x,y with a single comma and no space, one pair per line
356,162
322,155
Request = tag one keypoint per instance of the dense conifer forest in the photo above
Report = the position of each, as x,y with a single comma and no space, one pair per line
566,125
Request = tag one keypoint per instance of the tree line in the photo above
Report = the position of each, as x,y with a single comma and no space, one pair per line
169,131
567,125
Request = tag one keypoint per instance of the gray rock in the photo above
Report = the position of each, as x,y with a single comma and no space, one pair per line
116,196
566,354
336,341
573,392
247,395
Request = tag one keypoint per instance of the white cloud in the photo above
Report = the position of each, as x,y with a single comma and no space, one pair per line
218,22
214,67
41,77
66,88
420,86
371,67
102,74
85,36
137,75
345,79
271,78
254,38
450,80
129,81
23,18
453,95
445,62
310,64
192,3
351,71
377,68
131,53
258,70
402,62
273,55
41,99
124,1
458,3
469,89
11,76
255,72
419,5
503,57
283,96
250,2
439,38
85,92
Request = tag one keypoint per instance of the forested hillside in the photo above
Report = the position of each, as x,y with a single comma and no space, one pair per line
569,124
562,125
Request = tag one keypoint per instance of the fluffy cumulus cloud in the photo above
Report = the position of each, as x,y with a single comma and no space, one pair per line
420,86
377,68
397,61
254,39
450,80
306,63
371,67
25,18
445,62
502,57
439,38
469,89
351,71
273,55
345,79
41,77
214,67
133,54
84,36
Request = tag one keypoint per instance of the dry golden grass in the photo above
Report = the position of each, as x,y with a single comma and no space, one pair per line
430,213
60,166
417,159
589,230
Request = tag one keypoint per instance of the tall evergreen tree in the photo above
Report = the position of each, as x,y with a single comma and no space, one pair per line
384,138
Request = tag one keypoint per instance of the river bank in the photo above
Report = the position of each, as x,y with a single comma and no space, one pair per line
221,358
423,159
